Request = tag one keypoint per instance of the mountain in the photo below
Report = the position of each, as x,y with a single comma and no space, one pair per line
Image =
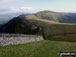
69,18
56,16
30,23
48,15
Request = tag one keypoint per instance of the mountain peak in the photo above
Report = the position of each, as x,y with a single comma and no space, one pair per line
47,11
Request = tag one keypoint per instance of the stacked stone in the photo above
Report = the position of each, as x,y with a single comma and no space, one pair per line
14,39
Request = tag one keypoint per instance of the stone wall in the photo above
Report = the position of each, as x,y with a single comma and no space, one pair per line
14,39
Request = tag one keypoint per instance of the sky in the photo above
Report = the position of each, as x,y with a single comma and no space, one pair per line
13,6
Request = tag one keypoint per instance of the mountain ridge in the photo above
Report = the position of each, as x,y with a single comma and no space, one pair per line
25,22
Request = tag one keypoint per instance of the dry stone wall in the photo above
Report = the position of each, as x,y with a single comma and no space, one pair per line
14,39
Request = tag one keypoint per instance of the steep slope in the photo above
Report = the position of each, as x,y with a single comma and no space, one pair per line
18,25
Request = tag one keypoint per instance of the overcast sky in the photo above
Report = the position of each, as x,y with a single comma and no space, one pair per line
12,6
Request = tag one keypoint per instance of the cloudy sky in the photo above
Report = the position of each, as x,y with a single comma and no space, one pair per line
12,6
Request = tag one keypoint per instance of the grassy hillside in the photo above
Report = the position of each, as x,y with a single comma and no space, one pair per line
51,27
45,48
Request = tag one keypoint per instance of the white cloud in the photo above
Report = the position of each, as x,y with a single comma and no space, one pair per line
5,1
21,9
27,8
15,9
9,1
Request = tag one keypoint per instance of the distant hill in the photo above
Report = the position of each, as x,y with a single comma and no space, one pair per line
48,15
69,18
56,16
30,23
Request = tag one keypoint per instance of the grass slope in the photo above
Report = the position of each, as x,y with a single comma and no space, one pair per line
35,18
52,27
45,48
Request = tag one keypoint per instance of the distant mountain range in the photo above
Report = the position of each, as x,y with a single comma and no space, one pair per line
48,15
26,23
6,17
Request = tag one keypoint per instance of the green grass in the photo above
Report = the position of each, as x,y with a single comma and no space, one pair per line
45,48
